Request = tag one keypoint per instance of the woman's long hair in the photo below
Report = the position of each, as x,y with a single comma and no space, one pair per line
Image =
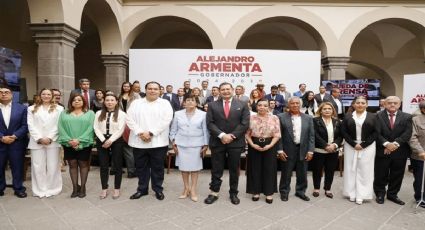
306,102
38,103
103,112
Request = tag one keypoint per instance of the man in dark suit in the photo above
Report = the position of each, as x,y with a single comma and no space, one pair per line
180,99
282,91
280,102
215,95
321,96
295,148
163,95
174,100
205,92
272,107
87,93
336,102
239,90
394,129
227,121
13,141
186,88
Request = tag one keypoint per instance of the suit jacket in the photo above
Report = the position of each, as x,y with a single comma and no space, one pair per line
164,96
243,98
208,93
191,132
417,142
92,95
210,99
237,123
187,91
286,142
280,102
298,94
319,98
369,133
321,133
17,126
43,124
287,96
332,101
401,133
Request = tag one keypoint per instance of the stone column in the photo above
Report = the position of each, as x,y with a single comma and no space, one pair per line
55,60
116,71
335,67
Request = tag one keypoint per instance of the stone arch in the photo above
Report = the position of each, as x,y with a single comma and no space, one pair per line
393,12
323,32
134,24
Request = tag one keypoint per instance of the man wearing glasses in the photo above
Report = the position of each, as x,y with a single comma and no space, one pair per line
13,140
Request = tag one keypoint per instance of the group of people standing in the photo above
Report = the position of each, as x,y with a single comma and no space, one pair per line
277,128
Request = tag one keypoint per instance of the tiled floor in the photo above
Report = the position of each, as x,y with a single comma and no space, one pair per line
62,212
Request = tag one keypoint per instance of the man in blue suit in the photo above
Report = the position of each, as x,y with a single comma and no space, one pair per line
13,140
174,100
280,101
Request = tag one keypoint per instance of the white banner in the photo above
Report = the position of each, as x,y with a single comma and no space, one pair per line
413,92
239,67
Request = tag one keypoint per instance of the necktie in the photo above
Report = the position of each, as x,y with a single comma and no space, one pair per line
392,120
86,98
226,109
181,100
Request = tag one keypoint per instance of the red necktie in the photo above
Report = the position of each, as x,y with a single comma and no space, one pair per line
226,109
86,98
392,120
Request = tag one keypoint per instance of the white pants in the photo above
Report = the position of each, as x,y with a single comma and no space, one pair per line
359,172
46,178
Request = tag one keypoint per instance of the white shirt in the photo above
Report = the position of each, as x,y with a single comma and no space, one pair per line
296,128
6,110
230,105
149,116
330,131
116,128
339,104
204,92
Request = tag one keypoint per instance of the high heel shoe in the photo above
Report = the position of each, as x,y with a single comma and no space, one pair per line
116,194
269,200
185,194
82,192
255,198
76,191
103,194
329,194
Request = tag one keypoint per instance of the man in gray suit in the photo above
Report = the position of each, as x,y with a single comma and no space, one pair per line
282,91
205,92
239,94
87,93
295,148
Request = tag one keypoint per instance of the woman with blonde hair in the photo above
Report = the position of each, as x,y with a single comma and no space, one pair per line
43,116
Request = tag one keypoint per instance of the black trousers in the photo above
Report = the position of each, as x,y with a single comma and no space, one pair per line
328,161
261,173
301,172
418,167
115,152
150,164
218,157
388,172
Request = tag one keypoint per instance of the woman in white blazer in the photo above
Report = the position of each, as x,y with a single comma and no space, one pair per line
189,135
43,119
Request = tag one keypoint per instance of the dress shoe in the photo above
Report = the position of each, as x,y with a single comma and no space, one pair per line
131,175
396,200
255,198
302,197
210,199
75,191
1,193
316,194
329,195
284,197
380,199
159,195
21,194
234,199
194,198
269,201
352,199
137,195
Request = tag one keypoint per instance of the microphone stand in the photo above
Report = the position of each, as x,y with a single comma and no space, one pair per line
422,186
